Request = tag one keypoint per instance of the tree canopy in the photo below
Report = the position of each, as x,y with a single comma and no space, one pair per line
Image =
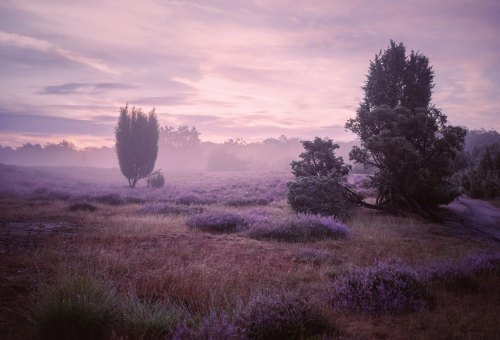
403,136
136,143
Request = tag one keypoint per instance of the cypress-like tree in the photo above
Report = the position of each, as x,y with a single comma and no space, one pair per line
136,143
403,136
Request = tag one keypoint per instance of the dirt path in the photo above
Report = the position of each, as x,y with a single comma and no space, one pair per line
473,216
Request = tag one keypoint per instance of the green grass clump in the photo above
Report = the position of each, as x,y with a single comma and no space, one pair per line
76,308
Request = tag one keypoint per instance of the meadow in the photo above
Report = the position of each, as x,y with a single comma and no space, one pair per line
221,255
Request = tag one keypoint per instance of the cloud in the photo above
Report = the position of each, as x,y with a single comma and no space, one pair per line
23,41
71,88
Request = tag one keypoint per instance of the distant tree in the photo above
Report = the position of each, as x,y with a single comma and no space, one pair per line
403,137
483,179
180,137
136,143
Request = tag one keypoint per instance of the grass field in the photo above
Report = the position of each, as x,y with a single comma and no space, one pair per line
132,268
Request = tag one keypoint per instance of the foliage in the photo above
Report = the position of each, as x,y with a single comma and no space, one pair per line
318,159
403,137
76,308
217,222
281,317
156,180
483,180
319,184
136,143
323,195
301,228
382,288
462,275
477,139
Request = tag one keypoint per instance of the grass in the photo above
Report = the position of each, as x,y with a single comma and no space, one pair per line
157,271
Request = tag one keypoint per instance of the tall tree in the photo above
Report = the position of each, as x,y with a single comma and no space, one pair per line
136,143
403,136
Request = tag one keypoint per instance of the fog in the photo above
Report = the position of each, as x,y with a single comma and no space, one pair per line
180,150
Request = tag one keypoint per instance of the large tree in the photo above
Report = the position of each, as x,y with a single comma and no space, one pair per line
136,143
403,136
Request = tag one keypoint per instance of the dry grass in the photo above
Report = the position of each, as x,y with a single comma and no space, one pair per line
156,258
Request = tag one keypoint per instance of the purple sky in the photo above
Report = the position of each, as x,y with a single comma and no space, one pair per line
248,69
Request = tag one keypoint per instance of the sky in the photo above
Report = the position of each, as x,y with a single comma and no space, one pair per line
231,68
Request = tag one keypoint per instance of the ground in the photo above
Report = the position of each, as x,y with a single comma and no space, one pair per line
156,257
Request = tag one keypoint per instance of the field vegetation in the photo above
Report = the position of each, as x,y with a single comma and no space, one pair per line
223,256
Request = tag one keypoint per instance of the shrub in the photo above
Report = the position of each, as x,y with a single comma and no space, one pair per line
217,222
156,180
76,308
82,206
380,289
240,202
146,320
281,317
300,228
462,275
323,195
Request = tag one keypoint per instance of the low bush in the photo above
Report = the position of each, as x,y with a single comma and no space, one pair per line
156,180
217,222
322,195
463,275
380,289
281,317
299,229
76,308
241,202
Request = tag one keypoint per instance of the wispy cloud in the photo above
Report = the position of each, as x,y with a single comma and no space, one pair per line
24,41
71,88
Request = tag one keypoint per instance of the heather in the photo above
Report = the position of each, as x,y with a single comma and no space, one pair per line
300,228
284,316
150,275
382,288
463,274
217,222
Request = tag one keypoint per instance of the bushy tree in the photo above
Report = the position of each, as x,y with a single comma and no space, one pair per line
403,136
318,159
320,183
136,143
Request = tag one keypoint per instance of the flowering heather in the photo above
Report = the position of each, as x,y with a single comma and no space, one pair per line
382,288
217,222
300,228
281,317
462,274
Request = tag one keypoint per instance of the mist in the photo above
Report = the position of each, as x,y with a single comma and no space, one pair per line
180,150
